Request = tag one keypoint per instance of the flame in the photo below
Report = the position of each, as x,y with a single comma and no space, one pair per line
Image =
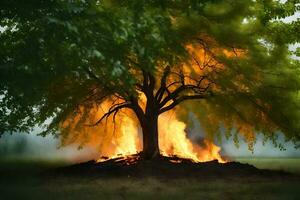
126,142
173,141
121,137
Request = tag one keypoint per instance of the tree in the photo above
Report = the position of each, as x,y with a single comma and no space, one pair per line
229,60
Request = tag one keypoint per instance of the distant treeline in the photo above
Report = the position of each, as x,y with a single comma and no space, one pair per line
13,144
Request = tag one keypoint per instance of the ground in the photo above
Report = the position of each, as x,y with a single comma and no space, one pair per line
25,180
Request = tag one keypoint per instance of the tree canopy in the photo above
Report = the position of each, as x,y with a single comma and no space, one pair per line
230,57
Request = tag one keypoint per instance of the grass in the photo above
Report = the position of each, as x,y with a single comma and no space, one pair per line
286,164
21,180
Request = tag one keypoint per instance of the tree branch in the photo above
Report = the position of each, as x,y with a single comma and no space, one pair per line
179,100
113,110
159,94
195,88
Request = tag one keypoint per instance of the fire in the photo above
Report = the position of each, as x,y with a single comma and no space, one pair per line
173,140
121,137
125,143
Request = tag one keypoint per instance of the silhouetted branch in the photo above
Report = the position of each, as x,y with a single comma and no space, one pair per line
179,100
183,88
113,110
159,94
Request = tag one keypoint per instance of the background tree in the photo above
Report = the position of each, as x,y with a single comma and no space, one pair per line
59,59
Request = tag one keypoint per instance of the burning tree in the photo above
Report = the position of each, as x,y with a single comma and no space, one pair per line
63,61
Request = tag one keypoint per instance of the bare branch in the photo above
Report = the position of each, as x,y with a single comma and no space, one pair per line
172,96
152,81
137,109
146,80
172,84
159,94
198,63
179,100
113,110
119,97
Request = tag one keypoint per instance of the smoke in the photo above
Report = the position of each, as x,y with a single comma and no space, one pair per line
229,148
31,146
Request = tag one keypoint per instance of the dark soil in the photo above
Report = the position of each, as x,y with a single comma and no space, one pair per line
167,167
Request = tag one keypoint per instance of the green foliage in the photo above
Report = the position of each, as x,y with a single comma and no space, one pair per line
54,55
45,57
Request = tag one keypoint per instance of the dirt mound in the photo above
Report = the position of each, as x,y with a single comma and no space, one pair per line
165,167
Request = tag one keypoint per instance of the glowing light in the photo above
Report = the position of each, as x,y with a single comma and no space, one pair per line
120,136
173,141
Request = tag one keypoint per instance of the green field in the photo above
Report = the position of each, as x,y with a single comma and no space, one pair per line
21,180
286,164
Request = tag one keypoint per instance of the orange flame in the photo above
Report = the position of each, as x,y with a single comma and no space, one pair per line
174,141
122,137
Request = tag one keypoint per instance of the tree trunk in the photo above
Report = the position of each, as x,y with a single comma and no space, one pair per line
150,137
148,120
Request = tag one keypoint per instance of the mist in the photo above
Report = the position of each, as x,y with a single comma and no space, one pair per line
31,146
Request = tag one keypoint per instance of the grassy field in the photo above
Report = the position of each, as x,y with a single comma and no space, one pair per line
285,164
22,180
